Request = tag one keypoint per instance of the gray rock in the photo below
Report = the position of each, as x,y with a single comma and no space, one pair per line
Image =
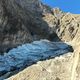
21,22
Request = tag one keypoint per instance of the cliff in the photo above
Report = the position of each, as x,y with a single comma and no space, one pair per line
21,22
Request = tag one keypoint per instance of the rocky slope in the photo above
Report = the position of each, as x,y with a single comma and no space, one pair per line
65,25
26,21
52,69
21,22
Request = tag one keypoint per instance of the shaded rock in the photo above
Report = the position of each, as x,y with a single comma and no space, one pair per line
27,20
22,21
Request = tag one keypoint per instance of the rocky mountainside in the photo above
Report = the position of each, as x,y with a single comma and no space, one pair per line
21,22
24,21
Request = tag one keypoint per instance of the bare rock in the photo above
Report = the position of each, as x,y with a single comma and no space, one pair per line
21,22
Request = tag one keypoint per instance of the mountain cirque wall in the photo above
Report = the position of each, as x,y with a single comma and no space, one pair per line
28,20
21,21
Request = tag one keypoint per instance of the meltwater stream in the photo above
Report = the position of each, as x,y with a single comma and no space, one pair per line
30,53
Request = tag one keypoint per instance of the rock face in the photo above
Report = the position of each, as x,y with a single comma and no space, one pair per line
65,25
21,22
